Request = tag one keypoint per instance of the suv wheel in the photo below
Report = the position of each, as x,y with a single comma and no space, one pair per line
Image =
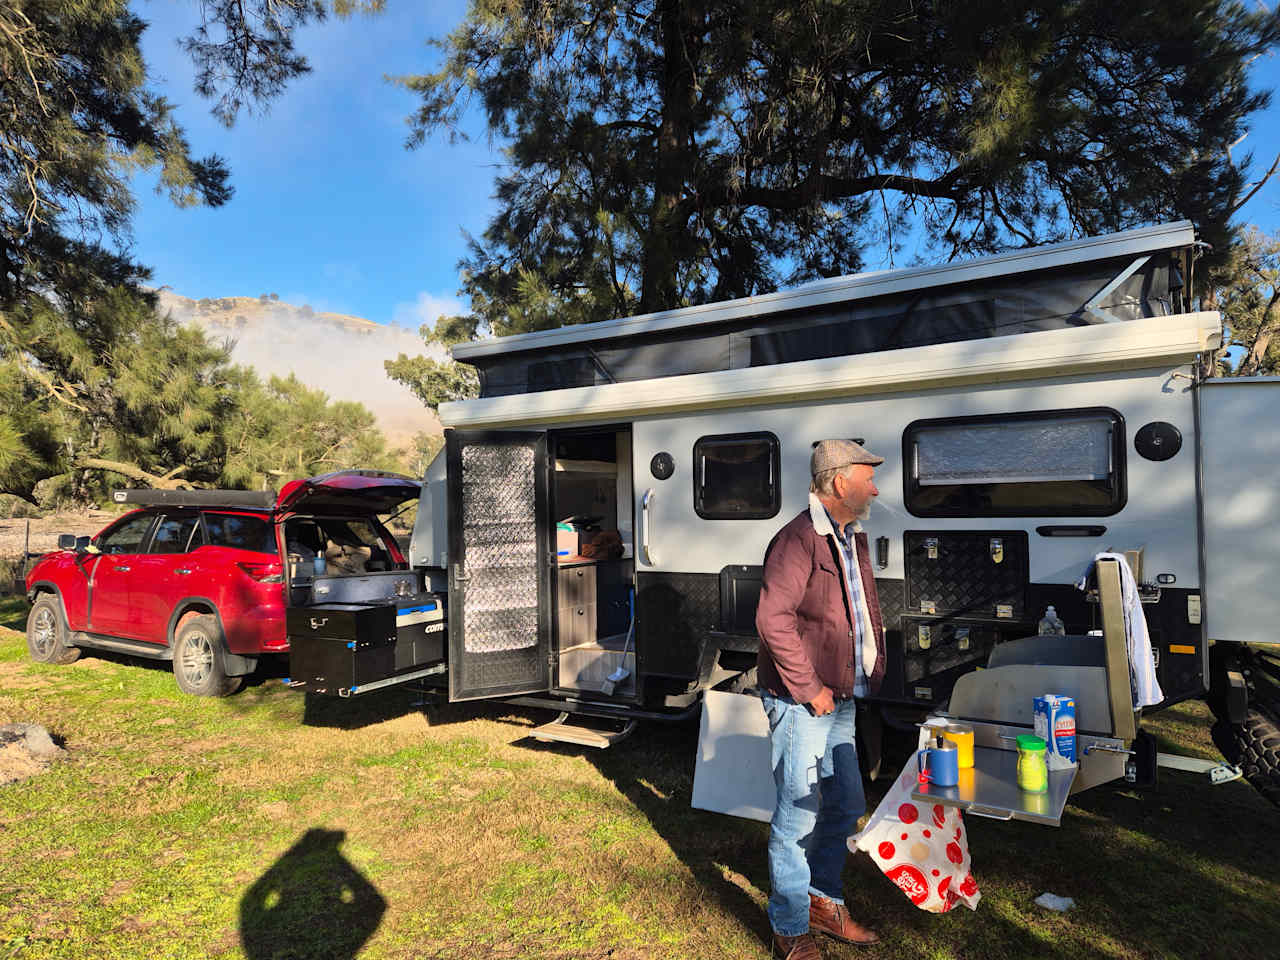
47,632
197,659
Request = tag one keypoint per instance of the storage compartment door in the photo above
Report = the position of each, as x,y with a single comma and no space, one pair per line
499,569
1239,437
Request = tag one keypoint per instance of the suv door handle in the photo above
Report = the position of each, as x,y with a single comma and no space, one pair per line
182,570
124,568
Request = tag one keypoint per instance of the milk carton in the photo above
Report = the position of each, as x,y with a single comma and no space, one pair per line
1055,721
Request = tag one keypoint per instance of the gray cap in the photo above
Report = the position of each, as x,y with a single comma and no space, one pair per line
832,454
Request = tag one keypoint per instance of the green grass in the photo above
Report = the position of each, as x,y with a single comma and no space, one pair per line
264,825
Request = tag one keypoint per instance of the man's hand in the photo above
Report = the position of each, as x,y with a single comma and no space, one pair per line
823,703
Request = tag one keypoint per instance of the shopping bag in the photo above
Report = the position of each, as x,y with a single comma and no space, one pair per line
922,847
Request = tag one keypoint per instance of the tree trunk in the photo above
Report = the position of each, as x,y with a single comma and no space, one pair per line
681,24
168,481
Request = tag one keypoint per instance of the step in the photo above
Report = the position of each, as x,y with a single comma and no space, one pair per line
558,731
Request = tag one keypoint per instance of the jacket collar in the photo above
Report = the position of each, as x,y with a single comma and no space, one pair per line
821,522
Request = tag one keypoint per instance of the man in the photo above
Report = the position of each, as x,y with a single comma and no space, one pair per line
821,644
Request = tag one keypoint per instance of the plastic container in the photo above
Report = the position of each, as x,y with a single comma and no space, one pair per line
961,734
317,565
1033,768
1050,624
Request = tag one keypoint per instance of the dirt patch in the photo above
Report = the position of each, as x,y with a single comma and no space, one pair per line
44,530
26,750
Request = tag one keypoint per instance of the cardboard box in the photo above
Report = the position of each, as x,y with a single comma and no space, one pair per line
569,541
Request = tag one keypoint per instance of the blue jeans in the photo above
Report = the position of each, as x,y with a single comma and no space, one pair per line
820,798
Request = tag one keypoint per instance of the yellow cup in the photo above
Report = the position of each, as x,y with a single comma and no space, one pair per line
961,734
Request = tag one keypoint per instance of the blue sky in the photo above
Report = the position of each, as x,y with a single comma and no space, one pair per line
330,208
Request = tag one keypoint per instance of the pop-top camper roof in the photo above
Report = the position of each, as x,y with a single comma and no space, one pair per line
1125,276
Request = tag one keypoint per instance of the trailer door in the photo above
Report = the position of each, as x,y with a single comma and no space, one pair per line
499,566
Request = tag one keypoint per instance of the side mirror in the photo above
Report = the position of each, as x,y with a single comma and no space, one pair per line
67,541
85,544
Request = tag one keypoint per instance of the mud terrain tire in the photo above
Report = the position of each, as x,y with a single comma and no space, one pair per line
1254,746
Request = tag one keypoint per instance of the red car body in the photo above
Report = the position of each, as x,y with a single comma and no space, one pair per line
150,570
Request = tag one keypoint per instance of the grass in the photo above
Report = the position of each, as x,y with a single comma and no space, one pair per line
265,825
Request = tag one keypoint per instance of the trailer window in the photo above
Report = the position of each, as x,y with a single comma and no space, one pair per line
735,476
1053,463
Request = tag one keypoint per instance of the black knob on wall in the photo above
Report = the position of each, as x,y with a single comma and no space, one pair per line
662,466
1158,440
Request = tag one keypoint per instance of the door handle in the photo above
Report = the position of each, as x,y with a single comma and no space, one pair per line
183,571
649,556
123,568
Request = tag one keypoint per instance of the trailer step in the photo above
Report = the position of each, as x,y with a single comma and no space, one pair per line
558,731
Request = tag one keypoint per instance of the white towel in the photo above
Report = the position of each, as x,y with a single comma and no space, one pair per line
1143,685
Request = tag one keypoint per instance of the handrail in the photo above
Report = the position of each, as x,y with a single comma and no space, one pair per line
649,556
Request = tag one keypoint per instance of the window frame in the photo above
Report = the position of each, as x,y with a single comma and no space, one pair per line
775,474
269,519
144,545
1118,481
186,548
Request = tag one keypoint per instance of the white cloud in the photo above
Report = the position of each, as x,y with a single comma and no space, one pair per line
427,308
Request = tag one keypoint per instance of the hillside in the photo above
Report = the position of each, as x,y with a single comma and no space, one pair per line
334,352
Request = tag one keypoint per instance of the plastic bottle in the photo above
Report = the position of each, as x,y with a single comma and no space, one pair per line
1050,624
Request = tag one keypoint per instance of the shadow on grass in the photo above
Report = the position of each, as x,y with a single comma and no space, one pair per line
13,612
311,903
1185,869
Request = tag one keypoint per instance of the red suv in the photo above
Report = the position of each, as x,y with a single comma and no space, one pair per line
197,576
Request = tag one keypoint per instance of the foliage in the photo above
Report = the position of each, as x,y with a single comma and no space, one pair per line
283,430
1249,298
110,386
673,152
89,378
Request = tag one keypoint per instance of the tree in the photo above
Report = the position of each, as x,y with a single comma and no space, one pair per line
284,430
673,152
78,119
115,388
1249,298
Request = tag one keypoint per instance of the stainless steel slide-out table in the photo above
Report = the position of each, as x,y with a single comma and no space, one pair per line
990,789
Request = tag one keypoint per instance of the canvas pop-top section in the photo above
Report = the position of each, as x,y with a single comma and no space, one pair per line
1127,276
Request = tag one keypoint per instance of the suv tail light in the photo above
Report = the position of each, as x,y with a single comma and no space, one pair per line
264,572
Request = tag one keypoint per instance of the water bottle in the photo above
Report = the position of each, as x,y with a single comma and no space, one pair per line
1050,624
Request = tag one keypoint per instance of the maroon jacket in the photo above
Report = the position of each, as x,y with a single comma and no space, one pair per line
805,619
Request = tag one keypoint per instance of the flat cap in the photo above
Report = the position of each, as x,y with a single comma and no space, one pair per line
832,454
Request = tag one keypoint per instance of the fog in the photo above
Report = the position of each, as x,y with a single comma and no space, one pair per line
338,354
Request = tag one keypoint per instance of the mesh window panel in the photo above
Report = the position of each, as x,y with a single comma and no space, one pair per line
499,538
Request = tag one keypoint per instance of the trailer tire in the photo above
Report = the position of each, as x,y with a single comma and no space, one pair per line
1254,746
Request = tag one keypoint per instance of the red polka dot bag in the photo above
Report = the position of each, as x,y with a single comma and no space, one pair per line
922,847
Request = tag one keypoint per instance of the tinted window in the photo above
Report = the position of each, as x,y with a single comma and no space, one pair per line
735,477
173,533
240,531
1056,463
128,536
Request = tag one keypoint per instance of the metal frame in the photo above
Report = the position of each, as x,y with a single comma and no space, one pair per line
1111,602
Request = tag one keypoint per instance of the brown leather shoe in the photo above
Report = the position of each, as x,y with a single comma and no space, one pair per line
803,947
827,916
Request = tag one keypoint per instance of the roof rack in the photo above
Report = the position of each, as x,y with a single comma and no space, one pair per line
249,499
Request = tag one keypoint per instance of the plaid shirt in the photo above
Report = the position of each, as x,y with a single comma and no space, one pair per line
853,580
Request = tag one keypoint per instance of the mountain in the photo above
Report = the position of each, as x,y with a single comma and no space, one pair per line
334,352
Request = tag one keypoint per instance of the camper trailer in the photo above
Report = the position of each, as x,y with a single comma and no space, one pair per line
595,525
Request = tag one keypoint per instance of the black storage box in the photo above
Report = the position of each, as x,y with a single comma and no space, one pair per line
335,648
